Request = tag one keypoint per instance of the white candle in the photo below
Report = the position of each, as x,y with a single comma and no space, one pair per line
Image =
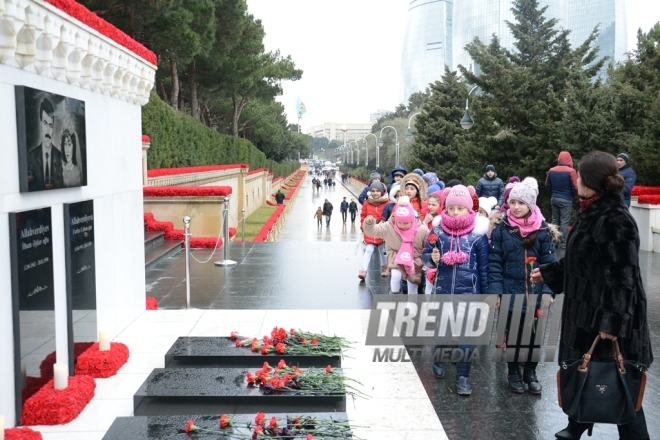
104,341
61,373
2,428
23,376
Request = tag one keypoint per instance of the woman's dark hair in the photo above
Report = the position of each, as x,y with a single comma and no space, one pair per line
598,171
67,134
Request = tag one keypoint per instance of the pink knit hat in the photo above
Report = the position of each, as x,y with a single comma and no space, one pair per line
403,211
459,195
525,191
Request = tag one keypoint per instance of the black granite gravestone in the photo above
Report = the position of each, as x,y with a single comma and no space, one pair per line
33,297
221,390
212,352
173,427
80,273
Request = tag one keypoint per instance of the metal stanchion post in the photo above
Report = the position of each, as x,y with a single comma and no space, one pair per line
243,226
187,235
225,229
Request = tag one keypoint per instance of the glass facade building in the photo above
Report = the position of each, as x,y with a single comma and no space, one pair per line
427,45
483,18
585,15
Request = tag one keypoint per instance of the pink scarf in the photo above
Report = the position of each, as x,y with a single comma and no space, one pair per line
406,254
526,225
456,227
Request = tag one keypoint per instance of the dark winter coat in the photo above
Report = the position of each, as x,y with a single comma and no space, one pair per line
279,197
343,207
387,212
352,207
630,176
507,271
469,277
562,179
327,208
363,195
601,279
487,187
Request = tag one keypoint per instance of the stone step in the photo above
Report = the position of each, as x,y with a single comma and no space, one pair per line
220,390
172,427
160,252
153,239
213,352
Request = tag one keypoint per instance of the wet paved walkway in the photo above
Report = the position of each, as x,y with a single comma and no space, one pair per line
312,269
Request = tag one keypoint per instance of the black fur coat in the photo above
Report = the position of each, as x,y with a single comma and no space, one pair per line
601,279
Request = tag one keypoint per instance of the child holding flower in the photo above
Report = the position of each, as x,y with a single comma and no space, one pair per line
520,242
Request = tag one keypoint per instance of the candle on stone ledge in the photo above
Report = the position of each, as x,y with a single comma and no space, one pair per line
61,374
104,341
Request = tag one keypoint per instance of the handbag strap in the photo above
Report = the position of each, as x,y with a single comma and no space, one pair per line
616,351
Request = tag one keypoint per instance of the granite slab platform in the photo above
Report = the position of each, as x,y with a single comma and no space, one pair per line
214,352
173,427
220,390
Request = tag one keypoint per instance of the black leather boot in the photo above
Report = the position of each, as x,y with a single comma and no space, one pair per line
574,430
515,379
529,377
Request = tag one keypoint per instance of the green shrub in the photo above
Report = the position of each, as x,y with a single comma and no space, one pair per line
178,140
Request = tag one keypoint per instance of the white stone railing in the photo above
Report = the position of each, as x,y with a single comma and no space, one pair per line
192,179
648,222
37,37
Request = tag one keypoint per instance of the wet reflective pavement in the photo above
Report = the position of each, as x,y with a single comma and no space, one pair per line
312,269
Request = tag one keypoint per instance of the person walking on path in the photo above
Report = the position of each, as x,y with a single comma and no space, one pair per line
629,176
562,183
491,185
520,241
343,208
279,197
327,212
318,215
352,207
373,207
458,249
601,282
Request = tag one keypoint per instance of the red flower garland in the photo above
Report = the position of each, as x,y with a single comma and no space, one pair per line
159,172
46,366
152,303
34,384
186,191
95,363
177,234
92,20
22,433
263,232
258,170
56,407
639,190
649,199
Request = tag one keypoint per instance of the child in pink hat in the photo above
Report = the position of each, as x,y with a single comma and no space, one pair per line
404,236
458,249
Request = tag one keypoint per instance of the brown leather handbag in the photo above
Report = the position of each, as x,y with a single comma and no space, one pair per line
601,392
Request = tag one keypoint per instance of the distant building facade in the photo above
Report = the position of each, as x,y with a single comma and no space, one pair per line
427,45
374,117
333,131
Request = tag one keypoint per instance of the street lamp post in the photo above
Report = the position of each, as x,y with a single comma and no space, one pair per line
467,121
366,147
409,135
396,138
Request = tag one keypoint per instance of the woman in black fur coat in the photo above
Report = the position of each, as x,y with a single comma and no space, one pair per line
601,279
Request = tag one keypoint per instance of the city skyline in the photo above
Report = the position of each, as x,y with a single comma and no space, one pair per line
351,55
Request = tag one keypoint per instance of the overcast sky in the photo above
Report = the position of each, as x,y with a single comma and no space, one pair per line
350,52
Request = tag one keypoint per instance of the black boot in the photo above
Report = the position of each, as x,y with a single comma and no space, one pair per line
515,379
574,430
529,377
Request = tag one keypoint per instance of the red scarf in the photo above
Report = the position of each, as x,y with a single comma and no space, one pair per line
586,202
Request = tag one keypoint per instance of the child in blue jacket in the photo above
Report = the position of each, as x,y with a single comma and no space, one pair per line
520,242
458,249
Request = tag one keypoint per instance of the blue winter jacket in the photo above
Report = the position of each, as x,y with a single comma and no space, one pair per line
507,271
466,278
363,195
487,187
387,211
630,176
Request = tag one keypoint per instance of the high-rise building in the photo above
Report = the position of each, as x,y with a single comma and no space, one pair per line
374,117
610,15
427,45
483,18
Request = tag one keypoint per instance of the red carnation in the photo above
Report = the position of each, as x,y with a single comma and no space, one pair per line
190,426
273,423
265,349
281,364
530,260
260,419
328,369
233,336
224,421
265,366
257,432
292,331
279,348
433,238
309,437
537,313
238,342
315,341
304,341
250,377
